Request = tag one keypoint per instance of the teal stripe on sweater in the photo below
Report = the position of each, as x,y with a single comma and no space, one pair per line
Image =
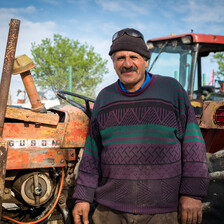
193,129
193,133
91,147
139,134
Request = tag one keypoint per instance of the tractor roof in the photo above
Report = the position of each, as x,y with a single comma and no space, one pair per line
196,38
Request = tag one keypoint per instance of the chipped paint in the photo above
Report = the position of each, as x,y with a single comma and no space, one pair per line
39,158
209,110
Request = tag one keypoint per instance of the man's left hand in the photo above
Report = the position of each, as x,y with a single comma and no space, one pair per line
190,210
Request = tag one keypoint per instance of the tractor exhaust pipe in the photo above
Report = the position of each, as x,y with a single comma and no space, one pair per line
22,65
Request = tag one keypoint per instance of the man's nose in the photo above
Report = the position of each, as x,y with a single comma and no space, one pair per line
127,63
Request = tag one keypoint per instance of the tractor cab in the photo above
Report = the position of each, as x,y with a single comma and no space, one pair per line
187,58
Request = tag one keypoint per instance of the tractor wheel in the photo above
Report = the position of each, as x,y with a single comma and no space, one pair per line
213,204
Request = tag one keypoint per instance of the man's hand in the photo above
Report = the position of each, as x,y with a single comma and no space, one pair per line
80,213
190,210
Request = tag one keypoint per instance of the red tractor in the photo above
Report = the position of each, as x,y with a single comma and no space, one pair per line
39,149
186,58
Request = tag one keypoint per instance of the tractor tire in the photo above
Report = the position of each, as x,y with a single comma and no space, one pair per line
213,204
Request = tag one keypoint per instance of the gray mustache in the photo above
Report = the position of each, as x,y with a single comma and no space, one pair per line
124,69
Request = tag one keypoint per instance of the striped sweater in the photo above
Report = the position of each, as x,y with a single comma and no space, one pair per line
143,150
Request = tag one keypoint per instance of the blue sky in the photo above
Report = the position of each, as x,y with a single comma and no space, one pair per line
95,21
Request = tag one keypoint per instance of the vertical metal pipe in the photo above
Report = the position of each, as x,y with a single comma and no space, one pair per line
7,68
32,92
4,91
193,69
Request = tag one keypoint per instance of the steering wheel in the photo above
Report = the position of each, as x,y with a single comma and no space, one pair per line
86,109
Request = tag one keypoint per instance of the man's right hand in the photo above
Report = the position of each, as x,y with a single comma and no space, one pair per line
80,212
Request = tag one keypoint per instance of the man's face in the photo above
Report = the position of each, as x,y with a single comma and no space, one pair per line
130,68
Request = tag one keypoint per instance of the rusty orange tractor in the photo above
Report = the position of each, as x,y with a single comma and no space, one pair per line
39,148
186,57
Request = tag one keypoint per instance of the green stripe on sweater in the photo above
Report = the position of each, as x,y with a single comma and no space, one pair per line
91,144
192,129
136,128
147,133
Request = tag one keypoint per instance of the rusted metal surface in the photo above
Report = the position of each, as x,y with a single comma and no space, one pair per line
31,116
35,145
207,118
32,92
31,131
22,65
4,91
3,156
70,154
39,158
76,129
7,68
71,132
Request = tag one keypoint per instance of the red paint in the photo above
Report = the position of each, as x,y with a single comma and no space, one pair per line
196,37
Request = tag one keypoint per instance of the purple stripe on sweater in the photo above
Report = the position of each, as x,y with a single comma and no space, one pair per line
136,172
141,197
195,169
148,101
194,152
141,154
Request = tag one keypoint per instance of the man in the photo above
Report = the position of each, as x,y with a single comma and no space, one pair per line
144,158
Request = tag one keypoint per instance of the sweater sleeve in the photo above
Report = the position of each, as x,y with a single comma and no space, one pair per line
89,169
195,176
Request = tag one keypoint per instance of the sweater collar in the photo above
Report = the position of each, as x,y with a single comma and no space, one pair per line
147,79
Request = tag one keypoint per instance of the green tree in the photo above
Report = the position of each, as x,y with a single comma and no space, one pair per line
52,59
219,58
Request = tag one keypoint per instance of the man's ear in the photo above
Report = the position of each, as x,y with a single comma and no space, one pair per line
112,57
147,63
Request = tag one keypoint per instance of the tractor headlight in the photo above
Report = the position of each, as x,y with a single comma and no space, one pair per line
150,45
186,40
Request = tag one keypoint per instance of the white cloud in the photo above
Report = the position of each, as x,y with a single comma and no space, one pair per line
29,32
17,11
129,8
34,32
201,12
102,47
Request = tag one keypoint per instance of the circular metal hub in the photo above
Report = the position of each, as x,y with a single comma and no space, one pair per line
36,189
